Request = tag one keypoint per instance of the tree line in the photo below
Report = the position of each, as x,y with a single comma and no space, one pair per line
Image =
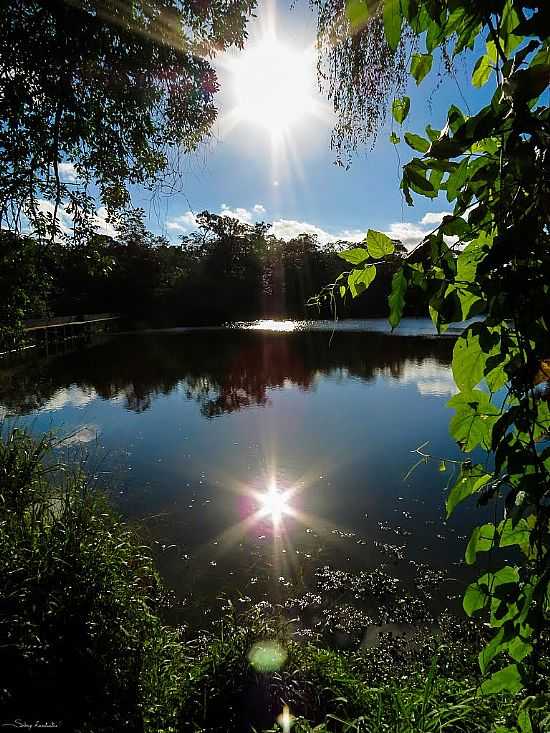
225,271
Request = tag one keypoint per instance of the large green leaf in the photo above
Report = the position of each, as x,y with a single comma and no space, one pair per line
482,71
392,22
356,256
359,280
379,244
469,360
469,482
507,679
482,540
473,421
357,13
416,142
475,598
490,650
396,298
514,533
421,65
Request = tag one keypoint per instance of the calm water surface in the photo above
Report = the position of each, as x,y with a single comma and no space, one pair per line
189,429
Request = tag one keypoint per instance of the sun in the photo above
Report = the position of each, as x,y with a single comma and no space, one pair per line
274,85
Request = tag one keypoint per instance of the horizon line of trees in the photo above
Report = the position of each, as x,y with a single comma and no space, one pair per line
225,271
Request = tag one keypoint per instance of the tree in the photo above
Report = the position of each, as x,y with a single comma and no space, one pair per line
104,93
489,258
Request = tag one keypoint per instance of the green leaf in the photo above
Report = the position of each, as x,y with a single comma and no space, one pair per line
392,22
356,256
511,533
475,598
524,721
469,360
414,173
357,13
469,482
421,65
508,679
395,139
456,180
482,71
359,280
490,650
400,109
379,244
518,648
416,142
473,422
481,540
396,298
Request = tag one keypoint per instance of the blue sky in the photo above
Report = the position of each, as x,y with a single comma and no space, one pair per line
236,172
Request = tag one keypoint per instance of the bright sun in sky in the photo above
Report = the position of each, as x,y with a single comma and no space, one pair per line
273,86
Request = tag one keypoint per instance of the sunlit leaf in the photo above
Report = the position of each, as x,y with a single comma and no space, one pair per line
482,540
416,142
379,244
356,256
400,109
357,13
469,482
392,22
482,71
507,679
359,280
396,298
420,66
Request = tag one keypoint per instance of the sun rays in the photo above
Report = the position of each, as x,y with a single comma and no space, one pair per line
272,88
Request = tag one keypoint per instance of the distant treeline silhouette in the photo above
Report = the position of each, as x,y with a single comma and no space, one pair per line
225,271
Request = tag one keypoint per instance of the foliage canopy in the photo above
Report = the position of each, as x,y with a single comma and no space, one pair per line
489,260
103,93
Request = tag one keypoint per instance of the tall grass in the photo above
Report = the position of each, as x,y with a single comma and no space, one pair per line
82,645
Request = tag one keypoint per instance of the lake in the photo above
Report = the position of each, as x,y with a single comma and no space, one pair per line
270,460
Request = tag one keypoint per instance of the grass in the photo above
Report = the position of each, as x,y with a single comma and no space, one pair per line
83,644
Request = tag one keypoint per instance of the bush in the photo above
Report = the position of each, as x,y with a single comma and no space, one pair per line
81,644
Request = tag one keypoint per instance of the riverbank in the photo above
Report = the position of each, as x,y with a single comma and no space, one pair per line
82,609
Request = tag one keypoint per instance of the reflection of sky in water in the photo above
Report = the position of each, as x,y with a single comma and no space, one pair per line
188,424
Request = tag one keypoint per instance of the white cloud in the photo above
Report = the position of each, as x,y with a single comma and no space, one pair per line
289,228
434,217
188,222
102,225
65,219
410,234
184,223
67,172
243,215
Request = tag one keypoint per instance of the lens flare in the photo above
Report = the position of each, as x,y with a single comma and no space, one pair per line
274,503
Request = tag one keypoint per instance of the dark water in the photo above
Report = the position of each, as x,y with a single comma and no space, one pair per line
189,429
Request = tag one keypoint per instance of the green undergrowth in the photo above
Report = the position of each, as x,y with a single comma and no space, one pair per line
82,643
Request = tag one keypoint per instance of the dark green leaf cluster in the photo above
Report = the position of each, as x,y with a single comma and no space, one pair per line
489,260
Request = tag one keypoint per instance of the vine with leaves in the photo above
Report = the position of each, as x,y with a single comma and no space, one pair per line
487,264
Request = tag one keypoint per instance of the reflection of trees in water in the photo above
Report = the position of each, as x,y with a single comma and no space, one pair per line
223,371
